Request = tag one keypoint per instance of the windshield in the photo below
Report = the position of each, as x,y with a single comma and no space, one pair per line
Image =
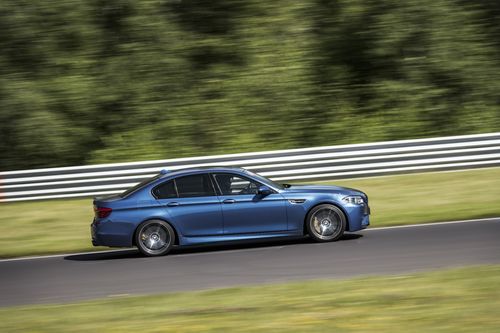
140,185
265,180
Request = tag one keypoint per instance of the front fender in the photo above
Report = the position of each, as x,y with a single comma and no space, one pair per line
299,204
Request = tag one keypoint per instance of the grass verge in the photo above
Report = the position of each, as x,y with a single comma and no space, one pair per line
459,300
61,226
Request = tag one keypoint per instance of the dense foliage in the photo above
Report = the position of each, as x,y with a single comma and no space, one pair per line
117,80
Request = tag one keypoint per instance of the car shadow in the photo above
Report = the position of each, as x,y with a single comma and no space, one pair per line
226,246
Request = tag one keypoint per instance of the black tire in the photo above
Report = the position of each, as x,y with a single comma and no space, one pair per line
154,238
326,223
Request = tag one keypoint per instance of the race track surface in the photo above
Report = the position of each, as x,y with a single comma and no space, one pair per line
374,251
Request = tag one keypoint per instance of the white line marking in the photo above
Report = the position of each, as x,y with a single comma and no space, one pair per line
491,219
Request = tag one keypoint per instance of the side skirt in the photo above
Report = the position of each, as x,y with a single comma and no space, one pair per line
183,241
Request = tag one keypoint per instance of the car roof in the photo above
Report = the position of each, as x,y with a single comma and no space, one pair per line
180,172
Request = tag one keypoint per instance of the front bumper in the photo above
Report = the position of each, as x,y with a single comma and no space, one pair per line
366,209
358,217
366,216
365,222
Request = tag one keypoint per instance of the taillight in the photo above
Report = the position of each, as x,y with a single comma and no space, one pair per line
102,212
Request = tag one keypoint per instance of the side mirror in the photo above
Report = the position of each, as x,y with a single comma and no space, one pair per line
264,190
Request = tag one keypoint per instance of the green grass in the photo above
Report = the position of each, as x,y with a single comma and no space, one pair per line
28,228
459,300
45,227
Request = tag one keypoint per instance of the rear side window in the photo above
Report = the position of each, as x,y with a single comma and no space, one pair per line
194,186
139,186
165,190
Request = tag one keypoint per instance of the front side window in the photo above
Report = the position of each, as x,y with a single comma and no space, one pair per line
194,186
231,184
265,180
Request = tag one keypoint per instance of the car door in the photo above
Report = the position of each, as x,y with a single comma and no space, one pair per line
244,211
192,205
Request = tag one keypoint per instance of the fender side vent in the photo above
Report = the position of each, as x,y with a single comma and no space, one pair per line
296,201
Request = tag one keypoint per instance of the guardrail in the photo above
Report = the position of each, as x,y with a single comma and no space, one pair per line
332,162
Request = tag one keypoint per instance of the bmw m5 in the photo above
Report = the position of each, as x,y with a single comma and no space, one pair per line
205,205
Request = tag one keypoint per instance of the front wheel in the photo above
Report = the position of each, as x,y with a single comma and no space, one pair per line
154,238
326,223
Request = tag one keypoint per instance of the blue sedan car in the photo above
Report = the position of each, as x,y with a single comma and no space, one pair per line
205,205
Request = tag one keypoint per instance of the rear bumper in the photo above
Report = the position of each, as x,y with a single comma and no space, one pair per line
113,234
93,234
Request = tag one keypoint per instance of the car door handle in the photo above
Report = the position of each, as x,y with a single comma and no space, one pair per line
229,201
172,204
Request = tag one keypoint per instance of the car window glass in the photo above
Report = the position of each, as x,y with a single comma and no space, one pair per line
194,186
165,191
140,185
230,184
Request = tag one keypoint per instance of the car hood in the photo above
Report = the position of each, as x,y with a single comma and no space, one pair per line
323,189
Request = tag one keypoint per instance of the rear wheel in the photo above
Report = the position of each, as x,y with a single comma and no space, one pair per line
326,223
154,238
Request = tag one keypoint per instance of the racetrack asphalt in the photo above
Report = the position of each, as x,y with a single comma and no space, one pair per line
59,279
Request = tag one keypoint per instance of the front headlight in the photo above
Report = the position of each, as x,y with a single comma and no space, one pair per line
354,200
